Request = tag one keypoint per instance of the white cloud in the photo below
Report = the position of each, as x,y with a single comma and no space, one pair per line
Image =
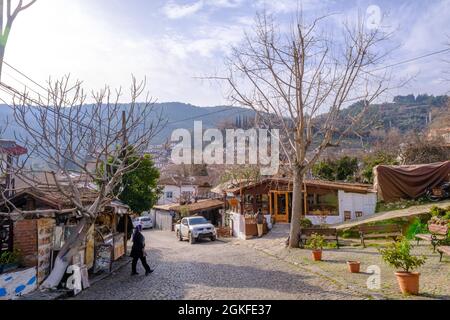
288,6
72,40
211,41
225,3
176,11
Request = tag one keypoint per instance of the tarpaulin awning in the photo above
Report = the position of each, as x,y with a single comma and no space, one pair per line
409,182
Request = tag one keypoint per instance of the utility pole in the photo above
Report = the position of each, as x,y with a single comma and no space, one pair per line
124,154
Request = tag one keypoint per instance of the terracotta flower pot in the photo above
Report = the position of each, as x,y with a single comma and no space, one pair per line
408,282
317,255
354,266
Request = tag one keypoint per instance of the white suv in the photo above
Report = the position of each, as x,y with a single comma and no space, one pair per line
195,228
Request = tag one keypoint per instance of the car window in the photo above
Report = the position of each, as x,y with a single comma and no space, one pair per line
195,221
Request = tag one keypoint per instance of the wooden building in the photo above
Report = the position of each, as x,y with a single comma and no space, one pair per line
42,220
323,202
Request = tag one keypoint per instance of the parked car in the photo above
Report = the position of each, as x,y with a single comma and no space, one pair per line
195,228
145,221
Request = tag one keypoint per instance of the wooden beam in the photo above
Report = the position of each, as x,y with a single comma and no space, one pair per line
305,200
125,239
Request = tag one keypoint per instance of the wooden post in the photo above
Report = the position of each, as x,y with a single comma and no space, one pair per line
125,239
305,200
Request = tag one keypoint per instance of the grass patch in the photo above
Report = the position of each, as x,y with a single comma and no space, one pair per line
402,204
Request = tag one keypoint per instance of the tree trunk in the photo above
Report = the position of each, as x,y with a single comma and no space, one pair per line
2,56
297,208
70,248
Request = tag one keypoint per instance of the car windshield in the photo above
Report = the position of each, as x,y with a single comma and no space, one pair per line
195,221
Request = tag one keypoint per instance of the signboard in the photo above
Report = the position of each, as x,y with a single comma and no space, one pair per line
45,246
103,258
119,246
90,248
16,284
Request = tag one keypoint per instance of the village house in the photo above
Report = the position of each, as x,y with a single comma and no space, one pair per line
324,202
178,189
10,152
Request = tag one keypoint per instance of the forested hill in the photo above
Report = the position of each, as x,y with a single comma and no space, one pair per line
405,113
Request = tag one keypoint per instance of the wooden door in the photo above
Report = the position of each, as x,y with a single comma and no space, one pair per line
280,206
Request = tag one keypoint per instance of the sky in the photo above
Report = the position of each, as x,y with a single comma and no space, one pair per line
174,44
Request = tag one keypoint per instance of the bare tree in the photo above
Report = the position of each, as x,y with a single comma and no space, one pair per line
85,143
6,21
300,81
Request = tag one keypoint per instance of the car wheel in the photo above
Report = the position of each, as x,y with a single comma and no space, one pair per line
191,239
213,238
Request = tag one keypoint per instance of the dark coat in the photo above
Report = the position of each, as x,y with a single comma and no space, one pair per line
259,218
137,250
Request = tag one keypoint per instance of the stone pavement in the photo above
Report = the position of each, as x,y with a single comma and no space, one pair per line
215,270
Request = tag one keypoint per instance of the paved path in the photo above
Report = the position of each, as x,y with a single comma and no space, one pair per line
214,270
381,216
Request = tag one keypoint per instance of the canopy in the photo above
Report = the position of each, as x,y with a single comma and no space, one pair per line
409,182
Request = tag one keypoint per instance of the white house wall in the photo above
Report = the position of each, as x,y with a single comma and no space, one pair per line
238,225
176,191
366,203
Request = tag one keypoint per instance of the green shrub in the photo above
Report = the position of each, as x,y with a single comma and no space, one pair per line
317,242
331,245
349,234
398,255
440,212
401,204
9,257
416,227
305,223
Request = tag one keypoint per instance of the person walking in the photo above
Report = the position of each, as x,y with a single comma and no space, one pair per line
138,252
260,223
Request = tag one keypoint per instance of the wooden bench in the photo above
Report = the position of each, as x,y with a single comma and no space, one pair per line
327,233
443,250
438,234
381,231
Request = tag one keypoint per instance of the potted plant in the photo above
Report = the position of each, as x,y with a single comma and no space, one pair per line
398,255
316,244
354,266
9,260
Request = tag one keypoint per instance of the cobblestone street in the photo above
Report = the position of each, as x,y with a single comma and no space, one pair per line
214,270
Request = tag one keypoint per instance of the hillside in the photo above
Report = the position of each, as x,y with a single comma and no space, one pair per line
176,116
405,113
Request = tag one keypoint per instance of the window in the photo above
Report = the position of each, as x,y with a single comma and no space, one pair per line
197,221
323,203
169,195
